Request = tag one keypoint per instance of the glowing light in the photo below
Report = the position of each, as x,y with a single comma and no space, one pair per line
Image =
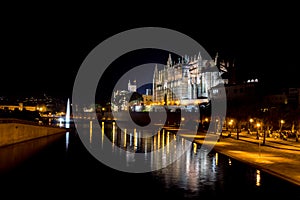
125,135
91,131
168,142
102,133
158,140
61,120
135,139
195,148
67,140
258,178
217,158
68,114
113,132
229,161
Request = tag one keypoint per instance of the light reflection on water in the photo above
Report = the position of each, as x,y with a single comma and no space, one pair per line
13,155
197,173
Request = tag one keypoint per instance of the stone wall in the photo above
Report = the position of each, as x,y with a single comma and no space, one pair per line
16,131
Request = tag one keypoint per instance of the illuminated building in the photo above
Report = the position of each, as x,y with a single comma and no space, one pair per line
132,87
187,82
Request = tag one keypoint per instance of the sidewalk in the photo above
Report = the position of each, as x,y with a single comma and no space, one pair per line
277,157
289,144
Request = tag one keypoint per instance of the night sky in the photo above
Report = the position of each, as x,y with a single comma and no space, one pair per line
43,50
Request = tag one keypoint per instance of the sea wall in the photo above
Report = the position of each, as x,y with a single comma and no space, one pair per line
14,131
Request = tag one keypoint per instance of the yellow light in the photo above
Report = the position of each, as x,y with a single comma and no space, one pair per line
135,139
206,119
125,137
282,121
251,120
91,131
195,148
258,124
258,178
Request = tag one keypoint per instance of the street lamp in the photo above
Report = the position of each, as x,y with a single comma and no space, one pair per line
250,122
217,126
230,123
281,123
257,125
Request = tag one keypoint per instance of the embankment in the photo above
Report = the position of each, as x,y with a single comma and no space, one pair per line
14,131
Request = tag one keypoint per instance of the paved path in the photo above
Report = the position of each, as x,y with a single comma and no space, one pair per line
278,157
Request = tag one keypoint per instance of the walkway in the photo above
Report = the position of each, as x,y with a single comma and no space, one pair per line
278,157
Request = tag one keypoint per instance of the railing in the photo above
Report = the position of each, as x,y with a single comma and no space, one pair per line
22,121
19,121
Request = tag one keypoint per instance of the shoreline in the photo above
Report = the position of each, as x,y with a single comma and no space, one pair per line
278,158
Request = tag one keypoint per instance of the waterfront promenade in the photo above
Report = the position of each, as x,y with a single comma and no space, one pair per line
277,157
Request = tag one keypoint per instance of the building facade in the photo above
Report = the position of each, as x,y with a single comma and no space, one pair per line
187,82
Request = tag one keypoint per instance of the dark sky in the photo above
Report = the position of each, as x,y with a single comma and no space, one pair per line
43,50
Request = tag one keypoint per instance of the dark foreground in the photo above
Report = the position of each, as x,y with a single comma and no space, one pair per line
64,169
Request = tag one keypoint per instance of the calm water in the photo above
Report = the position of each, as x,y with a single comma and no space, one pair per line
60,166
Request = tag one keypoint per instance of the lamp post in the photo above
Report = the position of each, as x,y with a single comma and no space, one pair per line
217,125
281,123
230,123
280,129
257,125
250,124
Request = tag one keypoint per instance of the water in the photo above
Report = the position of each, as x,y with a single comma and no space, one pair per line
60,166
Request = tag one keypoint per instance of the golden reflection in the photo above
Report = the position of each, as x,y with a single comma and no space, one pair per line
195,148
102,133
135,139
229,161
125,137
158,139
91,131
13,155
217,158
113,132
258,178
168,142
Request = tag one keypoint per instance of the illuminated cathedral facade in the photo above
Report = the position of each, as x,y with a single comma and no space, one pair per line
187,82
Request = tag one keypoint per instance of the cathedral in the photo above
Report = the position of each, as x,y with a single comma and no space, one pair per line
187,82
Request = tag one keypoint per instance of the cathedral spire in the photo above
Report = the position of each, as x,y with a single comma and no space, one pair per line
216,58
169,63
199,56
